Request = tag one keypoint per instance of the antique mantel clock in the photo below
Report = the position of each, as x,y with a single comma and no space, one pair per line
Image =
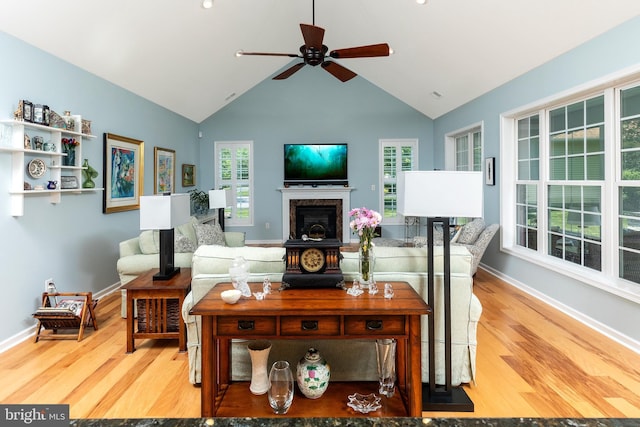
313,264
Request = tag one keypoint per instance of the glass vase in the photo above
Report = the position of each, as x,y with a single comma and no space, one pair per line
366,262
280,390
70,151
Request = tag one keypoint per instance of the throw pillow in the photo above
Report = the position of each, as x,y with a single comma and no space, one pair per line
209,234
182,243
149,242
470,232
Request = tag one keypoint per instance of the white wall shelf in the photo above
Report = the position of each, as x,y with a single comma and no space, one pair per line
12,140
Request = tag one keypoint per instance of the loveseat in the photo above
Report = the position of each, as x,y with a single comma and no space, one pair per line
140,254
210,265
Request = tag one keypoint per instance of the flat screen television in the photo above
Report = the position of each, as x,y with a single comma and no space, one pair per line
315,164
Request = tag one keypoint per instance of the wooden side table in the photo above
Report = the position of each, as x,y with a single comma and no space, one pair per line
155,295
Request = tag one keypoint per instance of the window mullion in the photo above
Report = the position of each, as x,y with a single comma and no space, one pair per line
543,182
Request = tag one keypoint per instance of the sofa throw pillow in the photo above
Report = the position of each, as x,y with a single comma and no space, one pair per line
470,232
208,234
183,244
149,242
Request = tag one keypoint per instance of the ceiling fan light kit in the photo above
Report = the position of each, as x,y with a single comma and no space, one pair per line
314,53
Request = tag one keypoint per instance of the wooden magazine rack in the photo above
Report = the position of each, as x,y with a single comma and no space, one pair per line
61,318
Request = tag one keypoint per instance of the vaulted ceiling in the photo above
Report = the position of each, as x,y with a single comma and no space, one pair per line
182,56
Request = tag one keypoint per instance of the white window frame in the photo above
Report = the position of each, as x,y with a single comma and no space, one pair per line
398,143
234,146
450,145
606,279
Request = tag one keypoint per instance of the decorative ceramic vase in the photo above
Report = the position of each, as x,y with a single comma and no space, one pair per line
366,263
88,173
281,390
259,353
313,373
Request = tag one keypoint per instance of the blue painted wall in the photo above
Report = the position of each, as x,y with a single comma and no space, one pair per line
312,106
613,51
72,242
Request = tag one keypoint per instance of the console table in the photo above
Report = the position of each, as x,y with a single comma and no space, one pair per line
301,313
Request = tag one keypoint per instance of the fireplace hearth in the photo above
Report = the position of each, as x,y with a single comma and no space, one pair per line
322,210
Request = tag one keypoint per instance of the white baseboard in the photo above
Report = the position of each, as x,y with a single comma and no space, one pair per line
31,331
605,330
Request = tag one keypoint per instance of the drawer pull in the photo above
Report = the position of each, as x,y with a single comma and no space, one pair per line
374,325
246,325
309,325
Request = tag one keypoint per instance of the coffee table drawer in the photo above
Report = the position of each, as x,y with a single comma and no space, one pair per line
310,325
249,325
374,325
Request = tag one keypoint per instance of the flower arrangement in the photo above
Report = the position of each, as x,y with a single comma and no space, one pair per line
364,222
69,147
70,142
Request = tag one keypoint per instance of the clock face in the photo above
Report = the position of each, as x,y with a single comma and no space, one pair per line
36,168
312,260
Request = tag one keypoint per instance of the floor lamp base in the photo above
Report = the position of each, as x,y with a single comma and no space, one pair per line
455,400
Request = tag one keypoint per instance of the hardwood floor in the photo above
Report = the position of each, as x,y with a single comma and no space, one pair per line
532,360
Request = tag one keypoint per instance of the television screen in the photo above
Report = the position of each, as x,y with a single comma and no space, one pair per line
315,164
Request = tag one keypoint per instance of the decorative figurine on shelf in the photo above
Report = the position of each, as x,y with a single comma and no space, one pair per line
89,174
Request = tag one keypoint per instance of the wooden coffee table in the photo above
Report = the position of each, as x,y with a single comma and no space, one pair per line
304,314
156,295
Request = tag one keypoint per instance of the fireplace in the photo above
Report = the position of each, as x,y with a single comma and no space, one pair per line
315,218
325,206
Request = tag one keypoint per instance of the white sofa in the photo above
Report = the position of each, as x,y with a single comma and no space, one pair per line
210,266
140,254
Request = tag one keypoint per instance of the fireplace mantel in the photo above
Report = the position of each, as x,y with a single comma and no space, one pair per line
308,192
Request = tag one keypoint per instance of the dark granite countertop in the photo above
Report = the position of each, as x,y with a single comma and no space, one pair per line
362,422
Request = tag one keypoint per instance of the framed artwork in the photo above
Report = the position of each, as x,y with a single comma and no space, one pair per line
188,175
164,170
123,173
490,171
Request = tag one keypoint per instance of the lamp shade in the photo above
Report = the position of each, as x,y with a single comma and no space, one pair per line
163,212
219,198
440,194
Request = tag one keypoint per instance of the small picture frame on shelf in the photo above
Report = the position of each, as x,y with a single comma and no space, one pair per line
68,182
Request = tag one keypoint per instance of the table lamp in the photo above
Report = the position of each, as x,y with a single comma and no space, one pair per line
164,212
440,195
220,199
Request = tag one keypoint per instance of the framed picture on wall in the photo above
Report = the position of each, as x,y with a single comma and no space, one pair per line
164,170
123,168
490,171
188,175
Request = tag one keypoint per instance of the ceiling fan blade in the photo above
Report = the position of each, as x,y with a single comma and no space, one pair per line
289,71
312,35
368,51
290,55
341,73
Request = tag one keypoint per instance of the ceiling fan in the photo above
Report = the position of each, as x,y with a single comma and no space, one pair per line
313,53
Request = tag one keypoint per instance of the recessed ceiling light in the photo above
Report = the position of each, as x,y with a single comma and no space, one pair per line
421,1
207,4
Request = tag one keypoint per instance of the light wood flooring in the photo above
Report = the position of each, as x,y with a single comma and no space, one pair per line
533,361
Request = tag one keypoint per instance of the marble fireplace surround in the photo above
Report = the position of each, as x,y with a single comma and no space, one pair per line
313,196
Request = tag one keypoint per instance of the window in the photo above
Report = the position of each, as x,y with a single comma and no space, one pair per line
575,178
396,155
234,161
465,150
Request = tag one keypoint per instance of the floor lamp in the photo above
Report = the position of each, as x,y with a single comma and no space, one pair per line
220,199
164,212
440,195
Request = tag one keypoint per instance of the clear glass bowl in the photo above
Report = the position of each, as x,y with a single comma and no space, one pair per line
364,403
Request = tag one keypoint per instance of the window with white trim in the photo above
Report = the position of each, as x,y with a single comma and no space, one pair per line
234,161
576,181
396,155
467,149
